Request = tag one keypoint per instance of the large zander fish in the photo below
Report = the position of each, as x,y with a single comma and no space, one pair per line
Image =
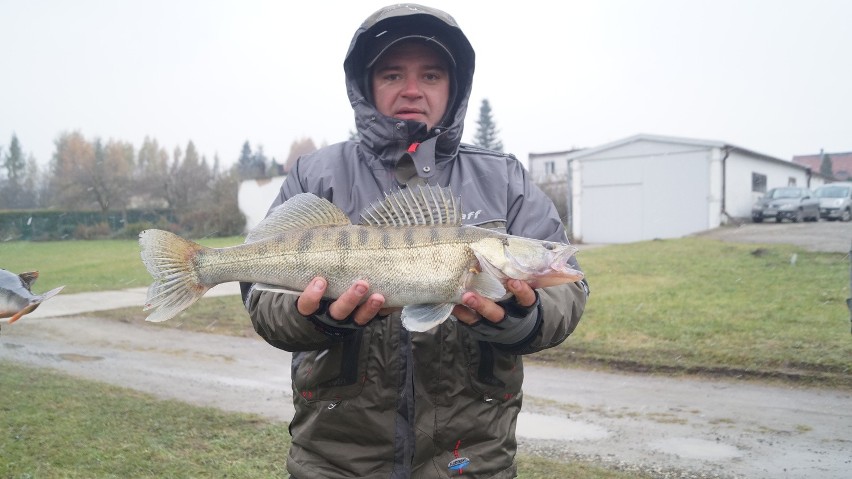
16,296
412,248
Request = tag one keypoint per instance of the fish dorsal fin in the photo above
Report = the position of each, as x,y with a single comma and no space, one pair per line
301,211
420,206
28,278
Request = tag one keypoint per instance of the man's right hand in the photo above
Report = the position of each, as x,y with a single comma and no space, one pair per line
348,303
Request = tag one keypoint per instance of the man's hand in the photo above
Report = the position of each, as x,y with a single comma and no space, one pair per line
477,308
309,301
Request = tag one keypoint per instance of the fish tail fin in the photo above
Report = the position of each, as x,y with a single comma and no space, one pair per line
169,260
38,300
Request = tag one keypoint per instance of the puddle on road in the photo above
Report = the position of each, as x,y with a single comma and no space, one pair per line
691,448
540,426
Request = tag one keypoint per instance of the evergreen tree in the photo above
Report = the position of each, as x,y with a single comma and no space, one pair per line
245,163
14,162
486,131
826,168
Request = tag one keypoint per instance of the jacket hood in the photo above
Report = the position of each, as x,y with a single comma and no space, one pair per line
388,137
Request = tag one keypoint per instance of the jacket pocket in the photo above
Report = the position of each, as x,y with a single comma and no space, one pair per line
331,374
494,374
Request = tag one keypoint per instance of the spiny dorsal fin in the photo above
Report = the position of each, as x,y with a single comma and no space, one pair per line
28,278
304,210
420,206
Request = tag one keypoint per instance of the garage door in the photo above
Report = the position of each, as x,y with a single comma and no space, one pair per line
612,213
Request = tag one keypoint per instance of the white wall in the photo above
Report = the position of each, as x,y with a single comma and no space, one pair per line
643,190
255,197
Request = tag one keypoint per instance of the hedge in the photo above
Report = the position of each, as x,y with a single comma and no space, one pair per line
43,225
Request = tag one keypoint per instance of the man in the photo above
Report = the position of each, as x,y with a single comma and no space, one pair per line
372,399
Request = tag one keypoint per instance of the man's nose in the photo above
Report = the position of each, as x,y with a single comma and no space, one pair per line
411,87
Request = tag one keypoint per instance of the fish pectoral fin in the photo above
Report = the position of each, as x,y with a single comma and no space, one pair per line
274,288
488,283
423,317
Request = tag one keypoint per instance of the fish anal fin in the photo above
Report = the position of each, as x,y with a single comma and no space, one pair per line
301,211
423,317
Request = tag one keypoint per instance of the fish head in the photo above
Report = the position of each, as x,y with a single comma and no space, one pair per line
538,263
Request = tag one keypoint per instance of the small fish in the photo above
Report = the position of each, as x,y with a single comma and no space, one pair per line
16,296
411,247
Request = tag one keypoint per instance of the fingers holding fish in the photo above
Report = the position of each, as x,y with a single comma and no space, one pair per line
369,310
309,301
523,292
350,304
476,308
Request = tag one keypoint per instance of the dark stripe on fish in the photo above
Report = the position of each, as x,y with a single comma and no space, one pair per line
344,239
363,237
306,240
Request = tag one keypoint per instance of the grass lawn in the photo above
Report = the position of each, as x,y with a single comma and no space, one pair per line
97,265
53,425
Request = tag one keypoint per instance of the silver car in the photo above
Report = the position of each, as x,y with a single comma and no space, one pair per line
835,201
790,202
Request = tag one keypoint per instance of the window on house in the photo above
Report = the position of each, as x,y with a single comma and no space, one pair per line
791,181
549,167
758,183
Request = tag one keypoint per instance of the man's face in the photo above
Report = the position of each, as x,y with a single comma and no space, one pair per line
411,81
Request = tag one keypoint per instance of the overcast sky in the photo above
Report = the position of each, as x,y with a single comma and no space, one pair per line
773,76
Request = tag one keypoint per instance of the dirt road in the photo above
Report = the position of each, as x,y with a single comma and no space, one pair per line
673,427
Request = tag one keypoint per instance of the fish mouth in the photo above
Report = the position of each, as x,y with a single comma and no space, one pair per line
564,269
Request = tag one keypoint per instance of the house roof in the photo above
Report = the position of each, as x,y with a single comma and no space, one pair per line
681,141
841,163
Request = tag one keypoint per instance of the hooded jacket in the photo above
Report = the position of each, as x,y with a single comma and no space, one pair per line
379,401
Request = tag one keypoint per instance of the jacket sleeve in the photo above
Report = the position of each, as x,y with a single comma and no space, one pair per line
559,308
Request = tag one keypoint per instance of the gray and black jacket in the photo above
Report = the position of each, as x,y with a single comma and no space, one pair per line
383,402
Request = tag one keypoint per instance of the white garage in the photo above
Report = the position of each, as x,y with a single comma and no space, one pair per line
647,186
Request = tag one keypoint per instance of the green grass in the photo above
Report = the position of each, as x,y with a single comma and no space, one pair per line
56,426
53,425
97,265
700,305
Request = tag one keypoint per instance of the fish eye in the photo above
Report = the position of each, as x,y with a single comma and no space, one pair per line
549,246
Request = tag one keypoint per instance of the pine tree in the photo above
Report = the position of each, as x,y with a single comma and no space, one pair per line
14,162
825,167
486,132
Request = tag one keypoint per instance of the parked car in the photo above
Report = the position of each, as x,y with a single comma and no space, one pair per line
835,201
791,202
